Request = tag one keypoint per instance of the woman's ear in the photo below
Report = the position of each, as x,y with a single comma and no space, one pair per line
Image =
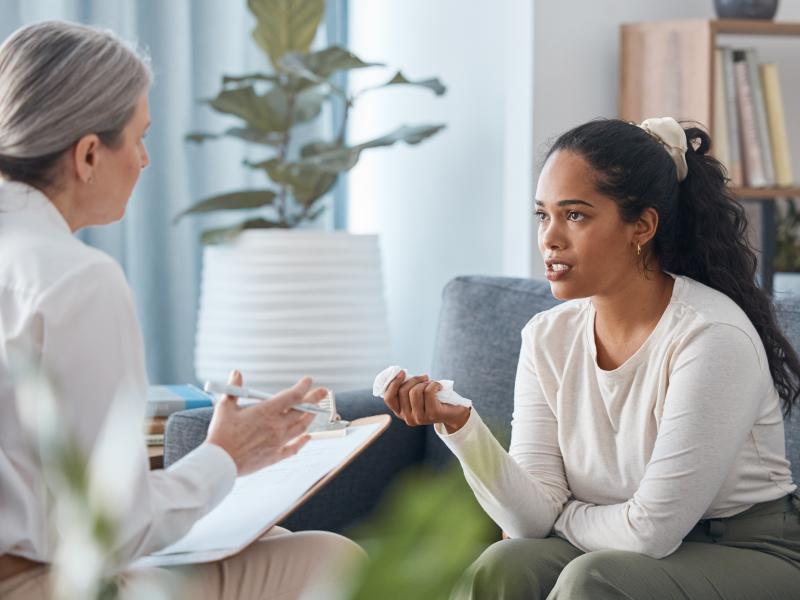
647,225
85,157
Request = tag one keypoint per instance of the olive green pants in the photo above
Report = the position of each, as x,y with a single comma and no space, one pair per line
752,555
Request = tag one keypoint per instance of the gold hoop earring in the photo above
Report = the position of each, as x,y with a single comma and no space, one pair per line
638,249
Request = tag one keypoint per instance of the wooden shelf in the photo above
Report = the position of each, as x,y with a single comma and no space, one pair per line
754,27
766,193
723,26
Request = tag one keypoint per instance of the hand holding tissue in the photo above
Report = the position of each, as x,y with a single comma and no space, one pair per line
447,395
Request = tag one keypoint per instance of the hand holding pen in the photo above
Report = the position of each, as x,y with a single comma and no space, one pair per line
264,433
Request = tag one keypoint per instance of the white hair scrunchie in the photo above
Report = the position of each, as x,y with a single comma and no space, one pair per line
672,136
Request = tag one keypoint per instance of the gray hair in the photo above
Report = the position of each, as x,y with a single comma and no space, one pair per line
60,81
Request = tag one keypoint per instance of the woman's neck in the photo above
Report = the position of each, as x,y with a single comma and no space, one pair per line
633,310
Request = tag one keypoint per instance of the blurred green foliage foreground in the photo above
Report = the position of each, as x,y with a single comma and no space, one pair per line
422,538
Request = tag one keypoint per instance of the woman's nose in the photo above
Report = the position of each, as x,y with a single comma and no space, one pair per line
551,235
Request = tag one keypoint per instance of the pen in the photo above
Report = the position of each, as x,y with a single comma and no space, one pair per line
242,392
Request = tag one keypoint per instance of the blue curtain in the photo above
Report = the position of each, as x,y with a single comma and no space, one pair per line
192,43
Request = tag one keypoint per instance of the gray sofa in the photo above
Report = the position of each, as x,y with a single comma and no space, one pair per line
477,345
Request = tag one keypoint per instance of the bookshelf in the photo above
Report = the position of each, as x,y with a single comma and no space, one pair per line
667,68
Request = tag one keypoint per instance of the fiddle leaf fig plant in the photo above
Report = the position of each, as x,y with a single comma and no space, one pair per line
270,106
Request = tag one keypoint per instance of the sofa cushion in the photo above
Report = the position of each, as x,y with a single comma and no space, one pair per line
478,342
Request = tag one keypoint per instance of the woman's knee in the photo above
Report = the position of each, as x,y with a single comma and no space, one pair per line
333,545
594,575
513,568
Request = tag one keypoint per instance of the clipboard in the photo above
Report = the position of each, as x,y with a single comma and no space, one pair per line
366,430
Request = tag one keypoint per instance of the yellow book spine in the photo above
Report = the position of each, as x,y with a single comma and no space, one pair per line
720,143
776,121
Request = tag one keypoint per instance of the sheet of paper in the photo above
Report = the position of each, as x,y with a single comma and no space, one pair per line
257,500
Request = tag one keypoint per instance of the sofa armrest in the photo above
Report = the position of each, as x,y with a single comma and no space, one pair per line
184,432
350,496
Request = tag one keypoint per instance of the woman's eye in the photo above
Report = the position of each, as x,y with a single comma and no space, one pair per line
540,216
574,215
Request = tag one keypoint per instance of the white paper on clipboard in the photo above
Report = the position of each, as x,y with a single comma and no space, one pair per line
258,500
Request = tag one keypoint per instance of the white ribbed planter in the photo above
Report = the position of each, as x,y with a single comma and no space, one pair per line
278,305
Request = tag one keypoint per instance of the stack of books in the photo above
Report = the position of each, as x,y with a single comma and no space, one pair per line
163,400
749,123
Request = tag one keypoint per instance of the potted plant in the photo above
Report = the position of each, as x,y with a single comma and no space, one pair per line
277,301
787,251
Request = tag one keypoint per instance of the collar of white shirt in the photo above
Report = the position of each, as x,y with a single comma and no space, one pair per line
16,196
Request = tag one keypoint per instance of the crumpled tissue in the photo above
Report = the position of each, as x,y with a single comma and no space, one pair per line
447,395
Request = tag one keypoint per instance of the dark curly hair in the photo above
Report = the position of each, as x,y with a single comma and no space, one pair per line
702,229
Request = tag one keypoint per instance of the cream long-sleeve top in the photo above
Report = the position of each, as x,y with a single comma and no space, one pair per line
689,427
68,307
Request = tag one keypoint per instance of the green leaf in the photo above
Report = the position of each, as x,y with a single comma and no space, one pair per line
307,182
303,77
337,159
241,102
334,161
198,137
293,63
226,234
315,214
323,63
408,134
434,84
250,78
266,138
318,147
285,25
231,201
268,113
416,549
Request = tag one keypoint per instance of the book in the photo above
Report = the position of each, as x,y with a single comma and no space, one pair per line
752,160
154,439
163,400
721,144
260,500
735,170
155,425
762,129
776,122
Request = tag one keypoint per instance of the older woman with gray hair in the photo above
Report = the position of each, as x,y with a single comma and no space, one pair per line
73,115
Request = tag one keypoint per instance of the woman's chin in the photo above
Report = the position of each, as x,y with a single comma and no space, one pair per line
563,290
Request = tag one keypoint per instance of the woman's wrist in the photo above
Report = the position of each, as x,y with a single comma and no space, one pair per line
457,422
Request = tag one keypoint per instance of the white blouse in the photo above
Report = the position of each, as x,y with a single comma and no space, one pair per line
689,427
68,307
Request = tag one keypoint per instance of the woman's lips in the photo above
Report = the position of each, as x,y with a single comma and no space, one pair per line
557,271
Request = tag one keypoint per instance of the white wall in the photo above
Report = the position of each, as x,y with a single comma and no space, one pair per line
518,74
441,207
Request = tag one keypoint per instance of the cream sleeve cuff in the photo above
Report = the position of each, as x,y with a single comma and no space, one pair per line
460,440
214,469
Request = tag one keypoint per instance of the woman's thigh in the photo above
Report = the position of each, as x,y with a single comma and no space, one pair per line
279,565
517,568
696,570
